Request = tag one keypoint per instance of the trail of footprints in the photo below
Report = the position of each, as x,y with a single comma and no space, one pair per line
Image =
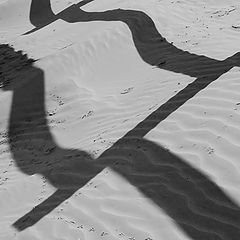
101,234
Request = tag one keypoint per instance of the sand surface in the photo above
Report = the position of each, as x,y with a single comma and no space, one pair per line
119,120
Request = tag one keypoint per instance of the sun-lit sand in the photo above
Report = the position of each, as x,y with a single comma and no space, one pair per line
120,120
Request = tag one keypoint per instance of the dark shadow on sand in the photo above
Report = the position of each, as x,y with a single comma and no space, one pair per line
191,199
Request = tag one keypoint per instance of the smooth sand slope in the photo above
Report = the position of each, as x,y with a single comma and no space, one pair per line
120,120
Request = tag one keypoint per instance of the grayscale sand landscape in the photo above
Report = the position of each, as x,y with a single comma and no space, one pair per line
120,120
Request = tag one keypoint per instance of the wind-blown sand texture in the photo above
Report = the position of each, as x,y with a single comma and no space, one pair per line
120,120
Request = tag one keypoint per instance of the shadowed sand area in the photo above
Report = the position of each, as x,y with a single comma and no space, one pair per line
203,210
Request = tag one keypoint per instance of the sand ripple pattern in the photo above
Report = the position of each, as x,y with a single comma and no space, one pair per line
174,159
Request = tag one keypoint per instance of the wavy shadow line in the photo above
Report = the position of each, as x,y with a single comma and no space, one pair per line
201,209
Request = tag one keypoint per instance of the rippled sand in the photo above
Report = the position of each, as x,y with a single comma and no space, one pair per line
121,121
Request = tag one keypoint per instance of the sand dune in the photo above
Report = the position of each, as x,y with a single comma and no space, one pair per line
119,120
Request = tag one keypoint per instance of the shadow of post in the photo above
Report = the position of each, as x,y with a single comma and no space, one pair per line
191,199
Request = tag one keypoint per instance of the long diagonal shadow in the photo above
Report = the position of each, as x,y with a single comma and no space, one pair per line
191,199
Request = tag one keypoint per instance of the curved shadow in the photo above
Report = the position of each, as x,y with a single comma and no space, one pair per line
31,142
191,199
152,47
